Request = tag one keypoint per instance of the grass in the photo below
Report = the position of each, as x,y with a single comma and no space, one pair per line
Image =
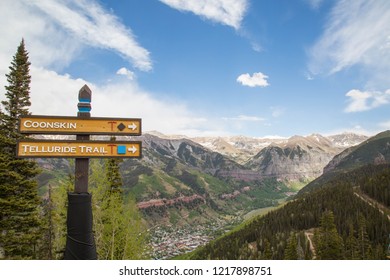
262,211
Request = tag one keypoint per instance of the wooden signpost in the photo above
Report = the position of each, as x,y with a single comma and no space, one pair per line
79,125
80,242
78,149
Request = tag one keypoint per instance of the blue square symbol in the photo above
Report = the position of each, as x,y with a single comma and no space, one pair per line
121,150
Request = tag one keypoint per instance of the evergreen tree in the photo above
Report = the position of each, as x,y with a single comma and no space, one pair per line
17,93
329,243
365,250
113,175
351,245
19,201
267,251
291,252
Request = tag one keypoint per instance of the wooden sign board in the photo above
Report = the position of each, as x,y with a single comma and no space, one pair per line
78,149
78,125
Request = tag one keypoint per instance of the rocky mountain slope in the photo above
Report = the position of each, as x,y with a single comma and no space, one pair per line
346,140
239,148
242,148
375,150
296,159
180,182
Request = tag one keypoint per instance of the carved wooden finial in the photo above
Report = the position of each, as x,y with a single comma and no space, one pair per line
85,94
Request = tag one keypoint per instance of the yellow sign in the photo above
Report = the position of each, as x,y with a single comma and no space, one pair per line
78,149
77,125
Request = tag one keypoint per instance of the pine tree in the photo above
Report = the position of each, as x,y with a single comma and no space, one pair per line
365,250
351,245
114,176
329,244
6,191
267,251
291,249
17,93
19,201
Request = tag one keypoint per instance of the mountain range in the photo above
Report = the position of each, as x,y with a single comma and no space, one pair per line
342,214
242,148
179,170
375,150
296,160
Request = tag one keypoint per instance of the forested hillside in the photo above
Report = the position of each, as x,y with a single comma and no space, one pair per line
333,222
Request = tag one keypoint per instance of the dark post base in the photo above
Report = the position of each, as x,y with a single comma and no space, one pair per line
80,243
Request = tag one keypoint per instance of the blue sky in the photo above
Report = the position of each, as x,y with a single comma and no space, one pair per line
209,67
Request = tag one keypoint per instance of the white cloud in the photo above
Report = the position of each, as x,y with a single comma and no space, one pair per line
54,41
385,125
277,111
354,128
228,12
356,33
242,122
256,80
366,100
81,23
54,94
308,76
126,72
256,47
244,118
47,44
315,4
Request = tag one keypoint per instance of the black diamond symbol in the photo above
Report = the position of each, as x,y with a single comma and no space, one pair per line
121,126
